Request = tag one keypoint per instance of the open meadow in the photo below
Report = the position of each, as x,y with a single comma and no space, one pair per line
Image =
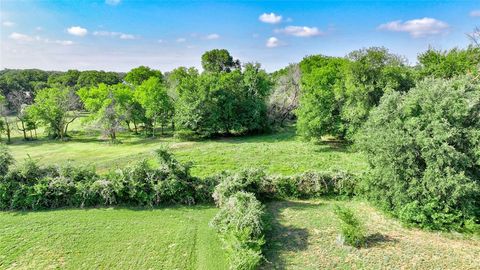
278,153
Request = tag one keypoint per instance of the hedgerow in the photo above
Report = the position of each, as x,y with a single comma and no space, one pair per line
30,186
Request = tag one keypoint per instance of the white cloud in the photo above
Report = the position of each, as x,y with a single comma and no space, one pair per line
270,18
114,34
160,41
127,36
20,37
212,36
181,40
272,42
300,31
475,13
8,23
64,42
25,38
77,31
112,2
417,27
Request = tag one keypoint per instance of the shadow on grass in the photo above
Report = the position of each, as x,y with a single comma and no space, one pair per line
163,207
378,239
280,238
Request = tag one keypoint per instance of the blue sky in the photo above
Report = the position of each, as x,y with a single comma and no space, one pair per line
121,34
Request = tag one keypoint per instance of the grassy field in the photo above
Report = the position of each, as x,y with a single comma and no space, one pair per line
280,153
170,238
304,235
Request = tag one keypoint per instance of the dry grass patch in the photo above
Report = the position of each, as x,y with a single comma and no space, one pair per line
304,235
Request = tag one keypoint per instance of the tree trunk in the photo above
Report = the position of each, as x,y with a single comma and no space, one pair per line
135,127
7,125
24,131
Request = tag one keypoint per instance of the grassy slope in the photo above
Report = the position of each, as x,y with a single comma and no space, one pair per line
304,236
170,238
280,153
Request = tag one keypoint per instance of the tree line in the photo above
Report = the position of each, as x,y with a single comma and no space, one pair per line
326,96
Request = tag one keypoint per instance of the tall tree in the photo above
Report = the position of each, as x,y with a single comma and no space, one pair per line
109,106
219,60
5,122
369,75
56,109
319,113
138,75
153,97
283,100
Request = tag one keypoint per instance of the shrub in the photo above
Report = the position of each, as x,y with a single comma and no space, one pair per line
30,186
314,184
352,230
424,153
254,181
240,224
6,160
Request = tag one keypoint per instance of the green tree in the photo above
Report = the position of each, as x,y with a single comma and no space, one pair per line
370,73
109,106
320,109
219,60
56,109
91,78
423,150
5,122
450,63
138,75
153,97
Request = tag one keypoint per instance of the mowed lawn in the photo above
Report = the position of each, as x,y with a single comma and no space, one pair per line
279,153
109,238
304,235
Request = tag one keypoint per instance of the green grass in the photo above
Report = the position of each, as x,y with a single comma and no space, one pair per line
304,235
280,153
170,238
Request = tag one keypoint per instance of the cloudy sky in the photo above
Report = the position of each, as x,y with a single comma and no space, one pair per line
121,34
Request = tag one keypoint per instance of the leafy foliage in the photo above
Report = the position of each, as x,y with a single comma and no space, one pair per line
447,64
423,149
138,75
240,224
338,93
221,102
54,107
353,231
219,60
30,186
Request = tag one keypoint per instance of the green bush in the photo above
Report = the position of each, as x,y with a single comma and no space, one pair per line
6,160
240,225
30,186
253,181
353,232
423,148
314,184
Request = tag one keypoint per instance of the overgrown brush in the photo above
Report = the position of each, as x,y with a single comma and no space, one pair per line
30,186
240,225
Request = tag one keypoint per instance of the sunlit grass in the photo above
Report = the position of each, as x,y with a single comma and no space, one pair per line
279,153
304,235
167,238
